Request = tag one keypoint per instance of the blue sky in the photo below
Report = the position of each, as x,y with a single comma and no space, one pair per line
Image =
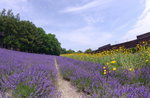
83,24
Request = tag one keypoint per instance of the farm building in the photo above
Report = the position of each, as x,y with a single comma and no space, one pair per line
128,44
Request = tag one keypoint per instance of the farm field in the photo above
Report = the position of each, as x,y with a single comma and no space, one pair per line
27,75
121,58
74,49
117,73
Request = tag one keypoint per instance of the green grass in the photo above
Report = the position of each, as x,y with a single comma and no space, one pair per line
23,91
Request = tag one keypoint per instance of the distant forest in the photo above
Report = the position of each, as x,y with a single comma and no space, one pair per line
24,36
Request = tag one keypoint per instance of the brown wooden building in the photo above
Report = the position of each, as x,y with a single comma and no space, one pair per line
128,44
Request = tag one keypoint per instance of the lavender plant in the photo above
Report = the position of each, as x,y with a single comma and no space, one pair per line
90,78
34,76
27,74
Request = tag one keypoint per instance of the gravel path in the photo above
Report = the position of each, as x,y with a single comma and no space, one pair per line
66,89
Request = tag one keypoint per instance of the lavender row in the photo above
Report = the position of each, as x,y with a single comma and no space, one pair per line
88,77
27,75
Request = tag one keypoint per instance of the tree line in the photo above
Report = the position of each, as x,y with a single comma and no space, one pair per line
65,51
24,36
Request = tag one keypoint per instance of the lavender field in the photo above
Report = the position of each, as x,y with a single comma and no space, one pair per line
27,75
24,75
89,78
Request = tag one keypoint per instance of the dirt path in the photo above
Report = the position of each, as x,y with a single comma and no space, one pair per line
66,89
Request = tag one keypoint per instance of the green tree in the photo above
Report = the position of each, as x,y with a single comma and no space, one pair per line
79,51
70,51
88,50
8,25
63,51
25,36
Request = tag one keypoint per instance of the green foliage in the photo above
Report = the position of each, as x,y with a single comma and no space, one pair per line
24,91
25,36
125,60
64,51
88,50
79,51
70,51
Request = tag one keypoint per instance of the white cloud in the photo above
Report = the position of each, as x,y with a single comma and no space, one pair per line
18,6
87,37
142,25
89,5
92,19
13,4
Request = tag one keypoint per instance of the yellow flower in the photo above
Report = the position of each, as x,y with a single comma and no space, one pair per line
146,60
107,63
104,67
148,54
105,73
113,62
104,70
114,69
130,69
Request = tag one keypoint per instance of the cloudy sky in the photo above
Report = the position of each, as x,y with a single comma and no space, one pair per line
82,24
